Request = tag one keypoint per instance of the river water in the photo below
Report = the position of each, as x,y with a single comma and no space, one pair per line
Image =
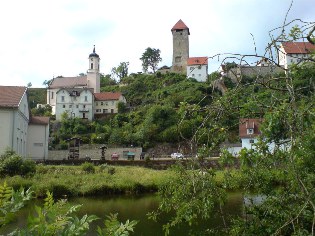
136,208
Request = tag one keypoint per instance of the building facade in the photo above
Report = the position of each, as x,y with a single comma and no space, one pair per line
75,102
197,68
25,135
294,52
107,103
180,34
38,137
91,81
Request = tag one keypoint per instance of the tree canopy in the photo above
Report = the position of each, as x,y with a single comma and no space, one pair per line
150,59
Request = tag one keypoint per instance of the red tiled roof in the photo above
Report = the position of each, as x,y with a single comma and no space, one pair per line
39,120
298,47
247,123
10,96
197,61
107,96
180,25
68,82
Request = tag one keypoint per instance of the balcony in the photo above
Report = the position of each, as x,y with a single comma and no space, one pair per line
83,110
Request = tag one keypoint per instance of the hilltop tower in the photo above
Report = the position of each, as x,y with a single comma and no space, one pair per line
93,73
180,47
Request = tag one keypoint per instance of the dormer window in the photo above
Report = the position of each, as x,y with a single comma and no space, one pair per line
250,131
74,93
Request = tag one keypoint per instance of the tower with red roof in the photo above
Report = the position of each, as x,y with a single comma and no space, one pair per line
180,47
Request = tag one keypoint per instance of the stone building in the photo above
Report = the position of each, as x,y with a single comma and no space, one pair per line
180,34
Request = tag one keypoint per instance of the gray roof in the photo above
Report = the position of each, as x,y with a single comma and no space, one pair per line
69,82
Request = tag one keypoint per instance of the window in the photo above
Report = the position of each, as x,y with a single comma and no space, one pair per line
106,103
85,99
102,103
52,95
77,106
199,75
62,98
63,106
104,110
83,106
178,59
92,66
250,131
74,93
251,141
96,103
83,115
112,111
38,144
70,106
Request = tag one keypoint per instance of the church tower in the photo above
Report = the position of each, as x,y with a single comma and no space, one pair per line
180,47
93,74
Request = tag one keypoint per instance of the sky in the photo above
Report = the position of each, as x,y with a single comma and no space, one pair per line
43,39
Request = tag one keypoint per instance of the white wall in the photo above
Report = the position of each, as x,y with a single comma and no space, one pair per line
6,130
198,72
106,107
75,106
37,145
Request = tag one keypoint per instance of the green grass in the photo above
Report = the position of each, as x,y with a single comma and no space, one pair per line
74,181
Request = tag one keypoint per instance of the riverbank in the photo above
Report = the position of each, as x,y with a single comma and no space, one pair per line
104,180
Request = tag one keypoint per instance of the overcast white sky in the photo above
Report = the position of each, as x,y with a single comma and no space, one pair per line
41,39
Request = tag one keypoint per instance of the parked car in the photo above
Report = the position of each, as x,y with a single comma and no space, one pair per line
177,155
115,156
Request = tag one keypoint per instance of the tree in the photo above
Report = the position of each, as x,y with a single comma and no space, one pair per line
29,84
150,59
284,178
121,71
47,82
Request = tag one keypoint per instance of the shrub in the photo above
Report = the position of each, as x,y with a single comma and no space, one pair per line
12,164
88,167
111,170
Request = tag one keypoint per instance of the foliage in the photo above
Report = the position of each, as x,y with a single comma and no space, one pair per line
120,71
115,228
88,167
42,111
12,164
56,218
150,59
11,201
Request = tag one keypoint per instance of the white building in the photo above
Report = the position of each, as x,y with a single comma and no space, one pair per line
38,137
107,103
76,102
91,80
25,135
294,52
197,68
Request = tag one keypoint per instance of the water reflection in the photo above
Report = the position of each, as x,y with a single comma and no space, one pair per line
136,208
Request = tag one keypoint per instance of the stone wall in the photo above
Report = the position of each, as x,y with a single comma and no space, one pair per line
93,151
236,73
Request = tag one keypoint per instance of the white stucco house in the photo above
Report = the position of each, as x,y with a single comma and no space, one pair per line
76,102
197,68
107,103
17,127
38,137
91,80
294,52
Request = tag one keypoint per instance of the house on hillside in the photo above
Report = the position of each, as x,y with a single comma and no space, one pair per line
294,52
91,80
76,102
107,103
249,130
19,131
197,68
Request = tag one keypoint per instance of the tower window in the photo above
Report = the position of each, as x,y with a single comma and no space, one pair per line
85,99
92,66
178,59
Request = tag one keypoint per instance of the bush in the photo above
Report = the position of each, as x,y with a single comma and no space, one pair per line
12,164
111,170
88,167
